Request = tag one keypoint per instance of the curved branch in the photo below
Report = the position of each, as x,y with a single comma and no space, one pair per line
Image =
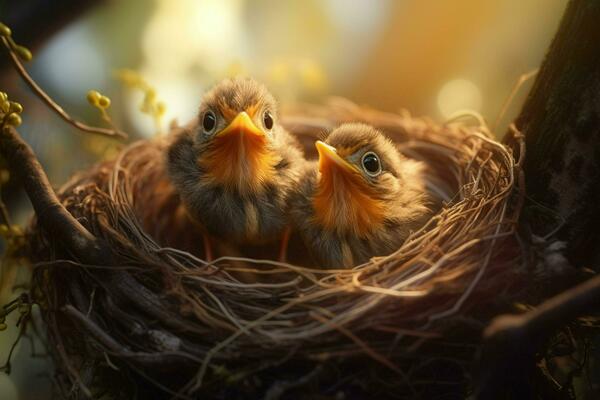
65,229
51,214
511,341
51,103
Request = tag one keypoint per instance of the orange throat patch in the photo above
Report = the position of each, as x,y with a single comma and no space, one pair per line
239,162
345,203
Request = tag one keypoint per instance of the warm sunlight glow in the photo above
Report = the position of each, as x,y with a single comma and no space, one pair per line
458,94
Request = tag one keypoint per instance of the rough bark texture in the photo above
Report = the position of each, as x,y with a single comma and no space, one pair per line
561,123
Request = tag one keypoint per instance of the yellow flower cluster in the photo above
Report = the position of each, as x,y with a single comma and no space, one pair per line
150,103
101,102
9,111
98,100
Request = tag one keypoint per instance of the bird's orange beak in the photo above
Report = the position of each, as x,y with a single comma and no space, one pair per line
241,125
240,158
329,158
344,202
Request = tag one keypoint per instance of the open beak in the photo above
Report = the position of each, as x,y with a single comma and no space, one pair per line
241,125
329,158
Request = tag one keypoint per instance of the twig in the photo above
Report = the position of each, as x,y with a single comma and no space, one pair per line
511,341
51,103
520,82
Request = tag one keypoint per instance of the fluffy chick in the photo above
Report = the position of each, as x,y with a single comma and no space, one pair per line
361,199
236,167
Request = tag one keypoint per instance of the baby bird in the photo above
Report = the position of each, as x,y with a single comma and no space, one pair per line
361,199
236,167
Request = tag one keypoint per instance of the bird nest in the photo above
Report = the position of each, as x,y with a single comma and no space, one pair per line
164,322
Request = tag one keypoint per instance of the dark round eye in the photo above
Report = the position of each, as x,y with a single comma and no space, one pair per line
268,120
371,164
209,121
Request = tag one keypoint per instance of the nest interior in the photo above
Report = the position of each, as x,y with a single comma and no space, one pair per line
166,323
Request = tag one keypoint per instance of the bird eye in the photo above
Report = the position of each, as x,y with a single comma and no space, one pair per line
268,120
209,121
371,164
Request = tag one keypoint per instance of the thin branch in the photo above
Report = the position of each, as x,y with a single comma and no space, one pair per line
520,82
51,103
511,341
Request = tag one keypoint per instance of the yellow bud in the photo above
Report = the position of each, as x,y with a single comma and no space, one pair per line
23,53
3,96
150,95
4,30
161,108
103,102
16,107
93,97
5,106
2,326
4,229
13,119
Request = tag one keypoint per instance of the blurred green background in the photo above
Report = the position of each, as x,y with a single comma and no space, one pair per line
430,57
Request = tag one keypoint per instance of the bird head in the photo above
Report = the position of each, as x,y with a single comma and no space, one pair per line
363,181
237,130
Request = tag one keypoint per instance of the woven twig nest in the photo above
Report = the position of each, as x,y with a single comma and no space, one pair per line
165,322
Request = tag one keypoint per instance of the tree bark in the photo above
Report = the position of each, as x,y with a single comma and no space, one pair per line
561,124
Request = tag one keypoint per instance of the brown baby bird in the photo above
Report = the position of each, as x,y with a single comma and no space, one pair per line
236,168
361,199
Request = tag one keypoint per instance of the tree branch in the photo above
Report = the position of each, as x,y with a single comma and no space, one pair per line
511,341
38,91
60,225
51,214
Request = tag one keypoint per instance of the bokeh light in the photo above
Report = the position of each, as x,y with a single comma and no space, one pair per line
458,95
